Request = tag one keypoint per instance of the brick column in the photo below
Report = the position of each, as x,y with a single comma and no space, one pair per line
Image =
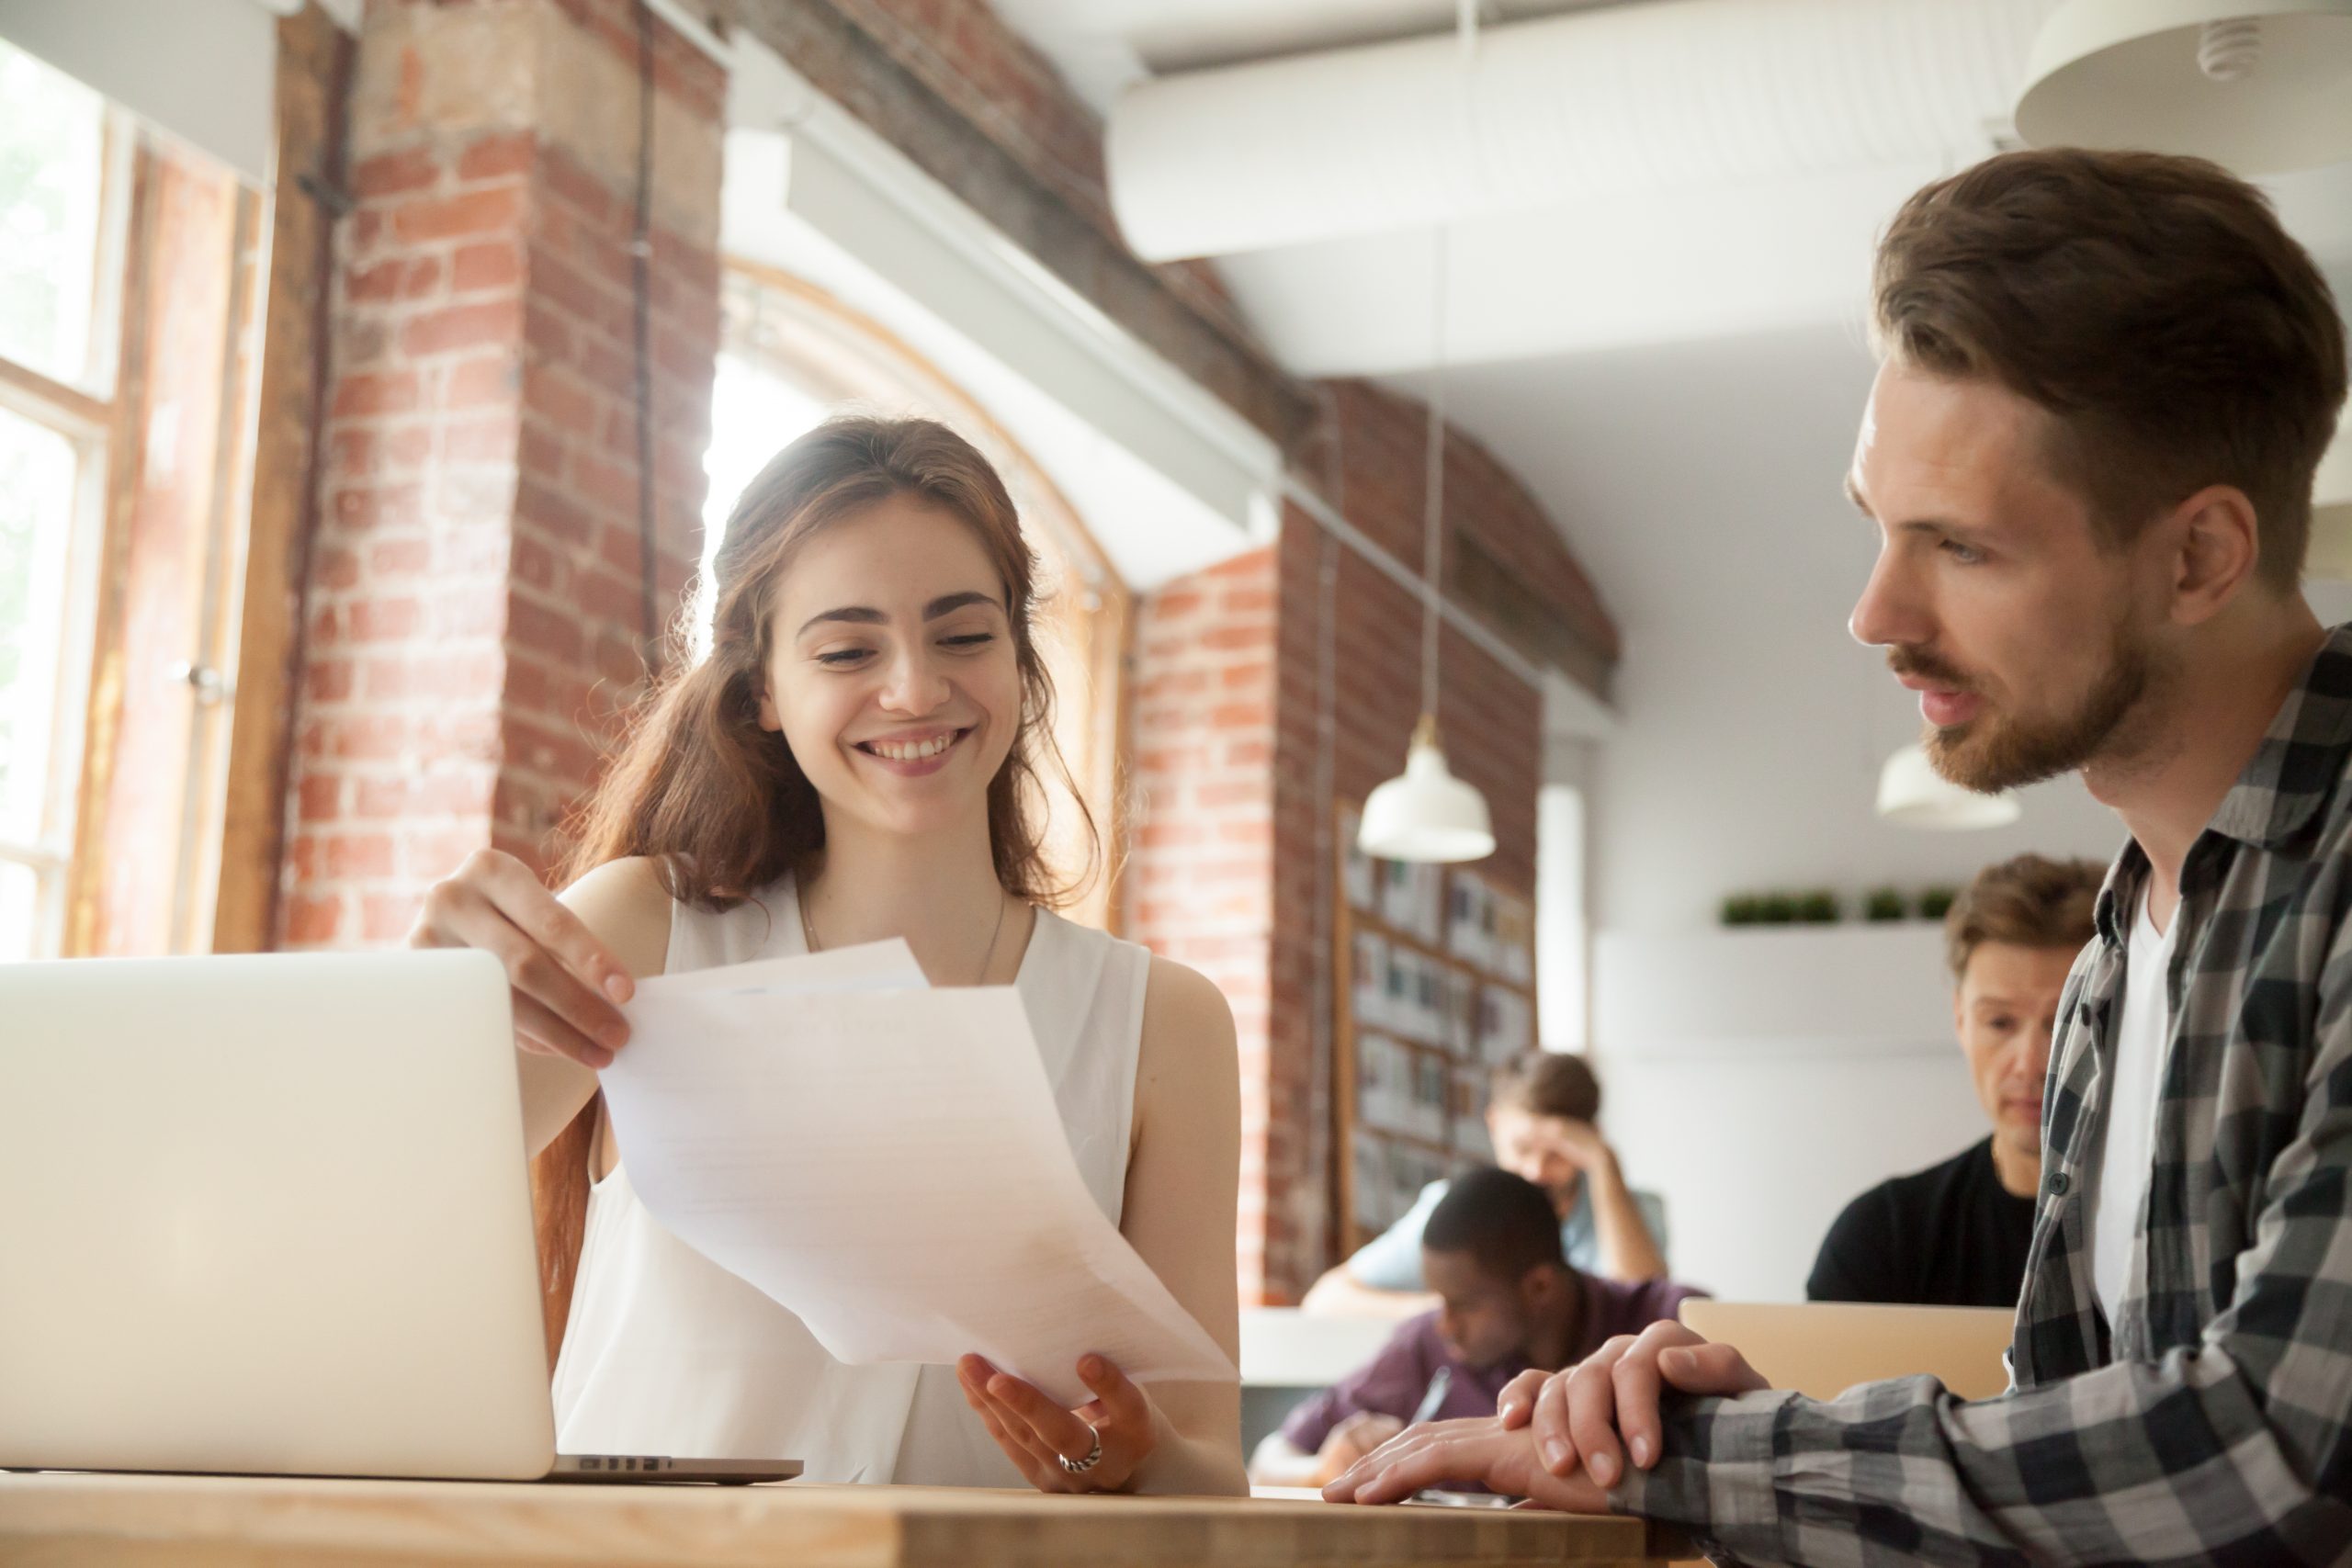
1199,881
473,612
1263,693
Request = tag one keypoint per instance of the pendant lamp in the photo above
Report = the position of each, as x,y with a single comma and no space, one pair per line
1426,814
1910,792
2260,86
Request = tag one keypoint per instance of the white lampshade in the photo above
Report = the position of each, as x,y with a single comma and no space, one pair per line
1426,814
2261,86
1911,793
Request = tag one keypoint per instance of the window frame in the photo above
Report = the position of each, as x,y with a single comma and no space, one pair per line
84,413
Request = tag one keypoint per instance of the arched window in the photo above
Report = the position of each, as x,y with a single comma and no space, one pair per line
789,354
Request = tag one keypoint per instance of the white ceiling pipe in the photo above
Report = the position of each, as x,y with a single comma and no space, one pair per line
1672,94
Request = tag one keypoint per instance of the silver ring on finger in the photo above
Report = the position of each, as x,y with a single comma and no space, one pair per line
1093,1456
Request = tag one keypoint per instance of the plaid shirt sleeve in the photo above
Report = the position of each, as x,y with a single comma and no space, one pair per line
2233,1448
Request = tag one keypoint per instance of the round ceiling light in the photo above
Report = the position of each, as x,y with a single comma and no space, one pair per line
2260,86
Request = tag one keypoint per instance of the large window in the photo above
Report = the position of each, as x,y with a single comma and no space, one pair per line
757,406
130,269
61,191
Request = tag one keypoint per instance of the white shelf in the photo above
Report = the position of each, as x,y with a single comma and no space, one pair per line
1823,990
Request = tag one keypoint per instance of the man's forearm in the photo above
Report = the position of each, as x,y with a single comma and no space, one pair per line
1628,1251
1773,1477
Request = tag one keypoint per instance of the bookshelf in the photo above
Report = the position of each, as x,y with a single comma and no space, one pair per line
1434,987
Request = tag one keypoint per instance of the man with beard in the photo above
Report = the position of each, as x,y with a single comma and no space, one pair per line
1957,1233
2107,382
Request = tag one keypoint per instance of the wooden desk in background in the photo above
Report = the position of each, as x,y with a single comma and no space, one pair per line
211,1521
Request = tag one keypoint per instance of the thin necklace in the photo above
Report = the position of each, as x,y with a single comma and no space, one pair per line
808,933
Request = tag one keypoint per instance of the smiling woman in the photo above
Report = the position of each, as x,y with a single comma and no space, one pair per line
858,510
790,352
859,757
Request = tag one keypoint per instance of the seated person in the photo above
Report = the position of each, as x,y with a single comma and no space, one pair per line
2181,1392
1540,1115
1956,1233
1508,1303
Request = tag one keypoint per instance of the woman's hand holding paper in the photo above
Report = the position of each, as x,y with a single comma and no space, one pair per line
567,986
1037,1434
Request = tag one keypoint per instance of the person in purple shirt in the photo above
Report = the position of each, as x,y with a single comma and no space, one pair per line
1509,1301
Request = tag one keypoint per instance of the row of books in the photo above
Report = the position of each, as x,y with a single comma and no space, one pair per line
1406,993
1388,1177
1461,912
1420,1095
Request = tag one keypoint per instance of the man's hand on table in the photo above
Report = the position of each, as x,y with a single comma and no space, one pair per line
1480,1449
1559,1439
1354,1441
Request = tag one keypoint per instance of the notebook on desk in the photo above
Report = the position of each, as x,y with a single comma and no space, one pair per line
1822,1348
271,1214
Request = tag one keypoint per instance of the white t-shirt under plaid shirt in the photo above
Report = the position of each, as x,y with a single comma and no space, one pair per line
2143,1041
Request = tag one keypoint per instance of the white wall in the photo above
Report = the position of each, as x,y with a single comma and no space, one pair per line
1699,485
1805,1064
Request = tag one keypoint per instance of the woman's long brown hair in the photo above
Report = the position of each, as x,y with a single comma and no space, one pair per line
720,805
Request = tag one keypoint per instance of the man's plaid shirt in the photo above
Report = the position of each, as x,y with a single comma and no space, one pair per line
2208,1424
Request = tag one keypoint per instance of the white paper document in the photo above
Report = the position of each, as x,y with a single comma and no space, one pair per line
885,1161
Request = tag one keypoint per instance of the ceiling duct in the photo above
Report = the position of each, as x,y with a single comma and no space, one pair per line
1664,96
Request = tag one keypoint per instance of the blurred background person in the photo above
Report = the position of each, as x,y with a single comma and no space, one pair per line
1957,1233
1507,1299
1542,1114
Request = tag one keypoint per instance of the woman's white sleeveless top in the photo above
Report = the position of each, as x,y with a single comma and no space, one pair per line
668,1353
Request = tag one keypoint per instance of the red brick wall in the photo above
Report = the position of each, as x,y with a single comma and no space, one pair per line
1367,455
962,51
1349,693
1199,880
473,611
1277,684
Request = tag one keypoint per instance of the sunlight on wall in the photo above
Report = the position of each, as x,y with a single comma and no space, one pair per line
755,414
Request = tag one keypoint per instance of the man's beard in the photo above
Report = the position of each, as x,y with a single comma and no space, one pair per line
1990,753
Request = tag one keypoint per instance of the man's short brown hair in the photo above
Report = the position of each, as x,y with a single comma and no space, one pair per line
1547,1083
2026,902
2153,305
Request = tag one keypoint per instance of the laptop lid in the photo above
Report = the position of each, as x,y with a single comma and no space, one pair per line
1822,1348
270,1215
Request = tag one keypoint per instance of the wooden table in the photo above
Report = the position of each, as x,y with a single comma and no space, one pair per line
213,1521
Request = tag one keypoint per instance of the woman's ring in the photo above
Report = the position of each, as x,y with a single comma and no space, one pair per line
1093,1456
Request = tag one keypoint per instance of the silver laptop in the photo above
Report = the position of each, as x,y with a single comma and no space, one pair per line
271,1215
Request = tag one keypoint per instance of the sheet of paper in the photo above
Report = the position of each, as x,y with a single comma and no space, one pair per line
871,967
888,1165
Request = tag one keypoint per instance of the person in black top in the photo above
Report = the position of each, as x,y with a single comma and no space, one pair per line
1956,1233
